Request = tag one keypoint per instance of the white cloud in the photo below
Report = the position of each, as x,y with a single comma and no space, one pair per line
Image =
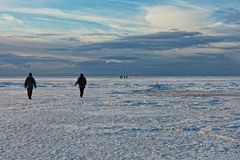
11,20
221,28
226,45
165,18
104,26
115,61
45,55
107,20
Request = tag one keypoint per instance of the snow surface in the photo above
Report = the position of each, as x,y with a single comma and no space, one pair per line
135,118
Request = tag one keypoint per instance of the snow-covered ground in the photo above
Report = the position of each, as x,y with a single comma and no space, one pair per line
135,118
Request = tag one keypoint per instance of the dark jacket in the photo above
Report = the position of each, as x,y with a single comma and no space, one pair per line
81,82
30,82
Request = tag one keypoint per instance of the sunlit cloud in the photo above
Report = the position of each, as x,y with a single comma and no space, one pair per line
165,18
11,20
226,45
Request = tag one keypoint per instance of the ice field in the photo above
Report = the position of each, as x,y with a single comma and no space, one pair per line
133,119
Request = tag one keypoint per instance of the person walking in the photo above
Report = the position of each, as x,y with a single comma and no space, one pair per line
81,83
29,84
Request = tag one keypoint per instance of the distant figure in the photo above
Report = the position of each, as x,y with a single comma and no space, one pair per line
81,83
29,83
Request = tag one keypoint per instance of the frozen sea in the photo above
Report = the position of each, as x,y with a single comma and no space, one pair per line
139,118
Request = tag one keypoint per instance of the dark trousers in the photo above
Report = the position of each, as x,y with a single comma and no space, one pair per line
81,92
29,92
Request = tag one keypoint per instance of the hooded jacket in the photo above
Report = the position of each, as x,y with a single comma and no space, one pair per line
30,82
81,81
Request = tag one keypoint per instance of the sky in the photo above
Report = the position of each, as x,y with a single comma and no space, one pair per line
120,37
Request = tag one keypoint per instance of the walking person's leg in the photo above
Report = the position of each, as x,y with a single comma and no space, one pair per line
31,93
28,93
29,90
81,92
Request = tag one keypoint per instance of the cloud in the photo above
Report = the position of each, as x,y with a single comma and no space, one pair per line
197,65
107,22
165,18
21,50
116,59
11,20
228,15
11,64
157,41
226,45
87,26
8,66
